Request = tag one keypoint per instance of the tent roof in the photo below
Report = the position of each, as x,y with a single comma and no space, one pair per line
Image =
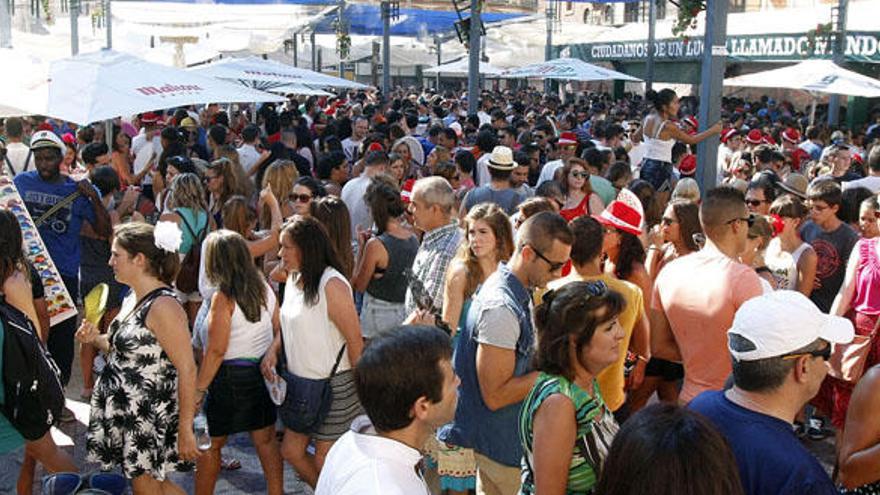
571,69
365,19
820,76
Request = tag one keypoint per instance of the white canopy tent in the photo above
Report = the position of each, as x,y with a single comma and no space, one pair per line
571,69
460,68
106,84
259,73
814,76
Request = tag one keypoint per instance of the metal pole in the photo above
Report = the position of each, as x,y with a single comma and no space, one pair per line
386,49
295,50
439,44
5,24
649,66
548,47
74,27
340,18
473,92
108,18
314,51
711,77
838,51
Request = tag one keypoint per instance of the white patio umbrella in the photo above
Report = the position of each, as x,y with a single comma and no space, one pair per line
815,76
298,89
107,84
460,68
254,72
571,69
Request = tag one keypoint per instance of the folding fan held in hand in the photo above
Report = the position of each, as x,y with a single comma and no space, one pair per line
95,304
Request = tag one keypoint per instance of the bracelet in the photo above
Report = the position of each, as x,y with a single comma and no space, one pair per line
201,391
642,358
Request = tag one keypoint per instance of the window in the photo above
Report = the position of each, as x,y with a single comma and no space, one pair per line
736,6
599,14
639,11
569,6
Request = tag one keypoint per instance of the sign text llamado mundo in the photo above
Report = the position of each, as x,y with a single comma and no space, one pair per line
860,47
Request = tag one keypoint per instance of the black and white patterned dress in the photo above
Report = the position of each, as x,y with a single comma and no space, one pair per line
134,415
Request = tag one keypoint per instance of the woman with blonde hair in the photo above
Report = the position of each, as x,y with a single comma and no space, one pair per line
149,379
242,323
488,240
188,209
280,176
245,184
687,189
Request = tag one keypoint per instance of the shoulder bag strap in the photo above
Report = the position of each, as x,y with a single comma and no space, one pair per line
192,232
27,160
9,166
338,359
65,201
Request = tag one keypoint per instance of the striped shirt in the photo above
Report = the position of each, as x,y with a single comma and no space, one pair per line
582,478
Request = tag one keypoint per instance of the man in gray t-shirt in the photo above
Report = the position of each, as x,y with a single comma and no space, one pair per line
498,190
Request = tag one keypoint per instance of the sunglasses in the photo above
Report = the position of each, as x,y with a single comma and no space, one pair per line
824,353
750,220
555,266
580,175
755,202
301,198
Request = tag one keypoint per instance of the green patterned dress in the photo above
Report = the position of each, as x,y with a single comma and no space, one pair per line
595,431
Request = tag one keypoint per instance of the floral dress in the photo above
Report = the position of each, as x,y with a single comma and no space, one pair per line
134,415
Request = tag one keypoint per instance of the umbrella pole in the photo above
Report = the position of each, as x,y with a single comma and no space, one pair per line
813,111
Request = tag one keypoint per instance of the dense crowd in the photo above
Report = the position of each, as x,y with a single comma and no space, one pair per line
394,296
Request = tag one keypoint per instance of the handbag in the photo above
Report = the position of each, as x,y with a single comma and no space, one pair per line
308,400
848,361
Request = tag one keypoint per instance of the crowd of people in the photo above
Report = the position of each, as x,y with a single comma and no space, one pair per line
394,296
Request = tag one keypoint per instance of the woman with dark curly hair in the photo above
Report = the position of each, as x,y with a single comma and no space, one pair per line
565,428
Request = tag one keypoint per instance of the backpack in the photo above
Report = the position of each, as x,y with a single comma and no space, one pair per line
34,396
188,277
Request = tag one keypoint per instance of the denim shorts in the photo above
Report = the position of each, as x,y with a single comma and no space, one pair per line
10,465
379,316
657,173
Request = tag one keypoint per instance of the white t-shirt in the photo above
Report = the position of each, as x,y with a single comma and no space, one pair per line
871,182
549,171
248,156
364,463
353,196
143,150
350,147
482,176
249,339
17,153
311,340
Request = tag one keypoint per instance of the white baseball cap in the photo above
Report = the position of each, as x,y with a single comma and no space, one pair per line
47,139
782,322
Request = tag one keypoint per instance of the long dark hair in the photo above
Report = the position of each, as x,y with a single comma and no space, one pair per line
230,266
384,200
688,215
11,254
572,309
669,450
316,252
630,252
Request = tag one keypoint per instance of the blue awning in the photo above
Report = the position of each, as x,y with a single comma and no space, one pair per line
366,20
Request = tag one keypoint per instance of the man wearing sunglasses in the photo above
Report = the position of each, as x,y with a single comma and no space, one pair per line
494,353
696,296
780,344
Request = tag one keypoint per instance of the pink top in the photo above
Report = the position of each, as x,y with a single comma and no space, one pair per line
699,293
866,300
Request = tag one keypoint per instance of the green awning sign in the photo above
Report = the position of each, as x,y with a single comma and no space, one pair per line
860,47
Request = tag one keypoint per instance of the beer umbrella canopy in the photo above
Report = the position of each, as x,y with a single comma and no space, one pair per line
571,69
814,76
106,84
255,72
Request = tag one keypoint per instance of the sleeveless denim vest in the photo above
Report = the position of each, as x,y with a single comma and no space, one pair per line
493,434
